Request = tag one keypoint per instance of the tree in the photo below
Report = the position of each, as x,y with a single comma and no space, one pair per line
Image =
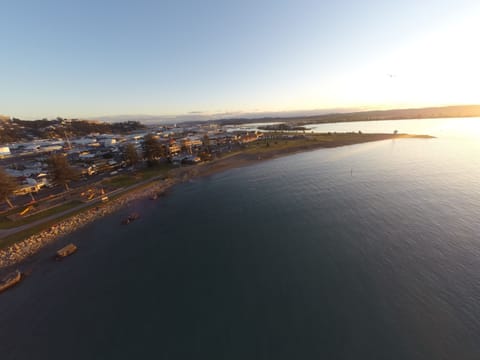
60,170
152,149
7,185
206,143
130,154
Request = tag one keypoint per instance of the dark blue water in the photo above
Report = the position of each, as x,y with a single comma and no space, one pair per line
364,252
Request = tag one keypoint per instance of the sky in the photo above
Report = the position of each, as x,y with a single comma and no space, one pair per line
87,59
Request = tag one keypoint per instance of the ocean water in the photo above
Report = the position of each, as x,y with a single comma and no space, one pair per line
370,251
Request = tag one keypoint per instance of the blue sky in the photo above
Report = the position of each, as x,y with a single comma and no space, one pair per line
96,58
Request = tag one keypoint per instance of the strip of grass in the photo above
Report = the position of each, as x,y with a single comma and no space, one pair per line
277,144
121,181
13,211
154,171
126,180
6,223
282,142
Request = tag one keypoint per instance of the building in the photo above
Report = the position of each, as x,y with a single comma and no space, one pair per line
247,138
173,147
108,142
191,142
4,151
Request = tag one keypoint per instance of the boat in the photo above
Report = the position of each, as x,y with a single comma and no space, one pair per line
65,251
10,280
130,218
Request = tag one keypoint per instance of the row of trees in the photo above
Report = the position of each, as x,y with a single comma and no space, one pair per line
21,130
152,151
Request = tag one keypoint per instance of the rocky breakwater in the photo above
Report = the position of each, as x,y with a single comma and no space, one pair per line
29,246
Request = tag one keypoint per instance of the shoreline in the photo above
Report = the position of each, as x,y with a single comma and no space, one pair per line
19,252
22,250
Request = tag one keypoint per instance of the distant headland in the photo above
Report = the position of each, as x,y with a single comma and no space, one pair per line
372,115
300,117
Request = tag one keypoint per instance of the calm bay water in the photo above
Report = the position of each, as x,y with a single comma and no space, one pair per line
370,251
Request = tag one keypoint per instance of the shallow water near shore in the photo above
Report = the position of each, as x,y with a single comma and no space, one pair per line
369,251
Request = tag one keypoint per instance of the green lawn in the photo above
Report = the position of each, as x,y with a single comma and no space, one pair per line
310,140
269,145
125,180
153,171
121,181
6,223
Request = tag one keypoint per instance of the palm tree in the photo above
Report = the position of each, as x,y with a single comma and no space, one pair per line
7,186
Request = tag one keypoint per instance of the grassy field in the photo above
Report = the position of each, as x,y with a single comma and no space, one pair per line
154,171
125,180
280,144
6,223
121,181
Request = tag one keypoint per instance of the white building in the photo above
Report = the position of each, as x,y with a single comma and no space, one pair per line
4,151
108,142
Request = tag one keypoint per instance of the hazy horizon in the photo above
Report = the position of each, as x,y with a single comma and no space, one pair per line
199,115
203,116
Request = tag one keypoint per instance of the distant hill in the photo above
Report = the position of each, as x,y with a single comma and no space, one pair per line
17,130
25,130
397,114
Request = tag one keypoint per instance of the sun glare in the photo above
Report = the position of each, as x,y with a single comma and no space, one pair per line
440,68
